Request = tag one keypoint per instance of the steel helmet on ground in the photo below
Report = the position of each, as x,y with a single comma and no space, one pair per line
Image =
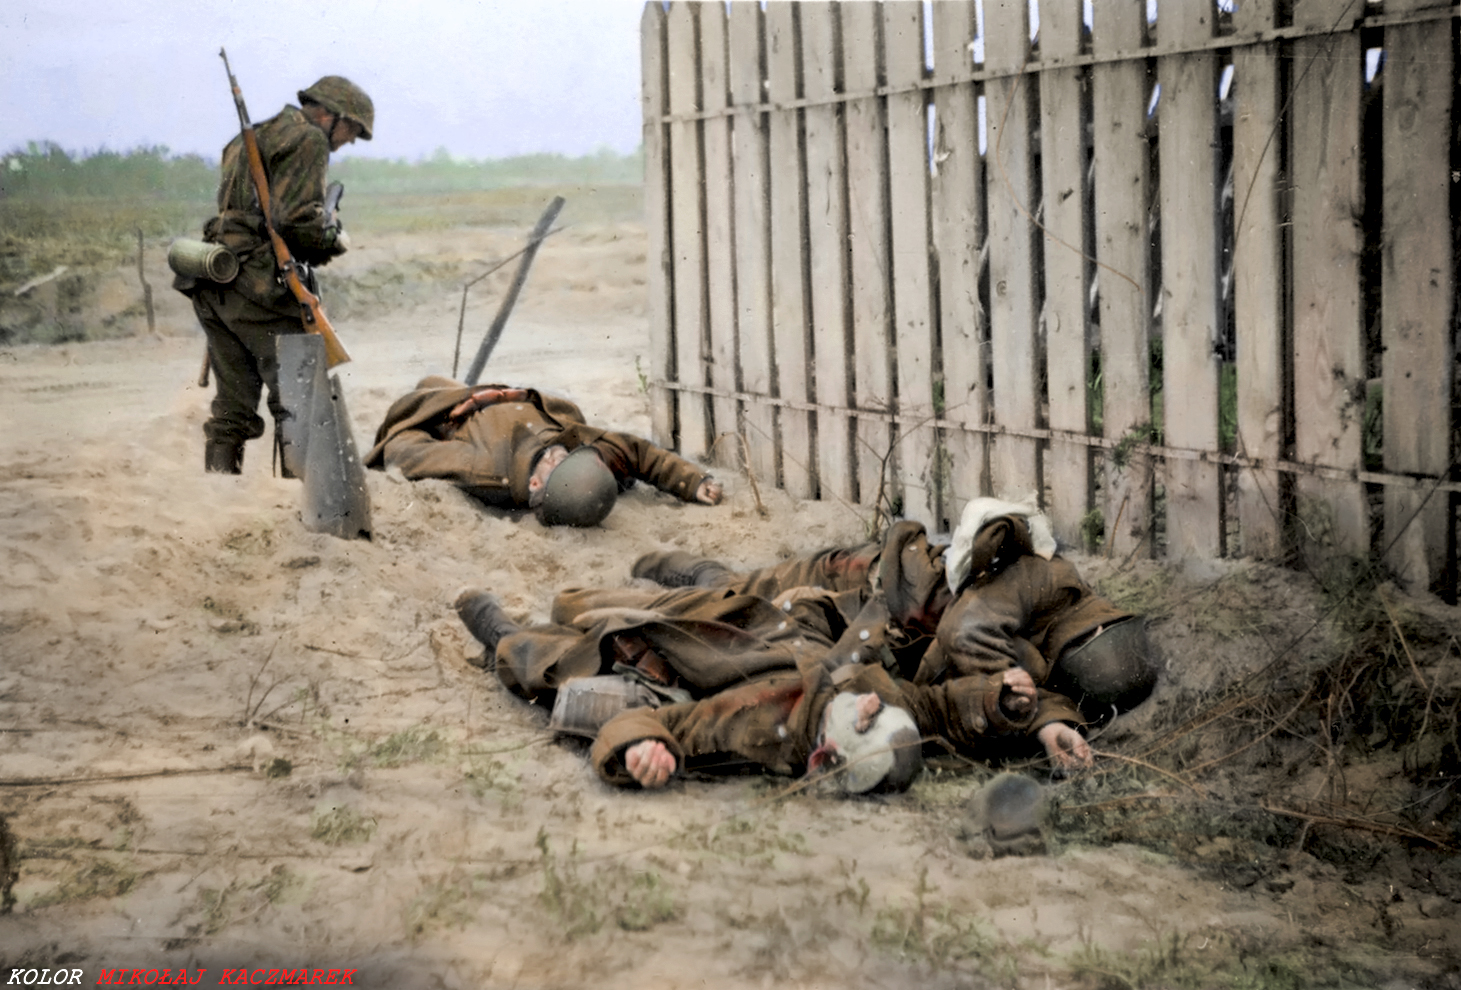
579,492
341,96
1112,669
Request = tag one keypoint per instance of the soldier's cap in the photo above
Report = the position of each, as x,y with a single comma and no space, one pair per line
884,757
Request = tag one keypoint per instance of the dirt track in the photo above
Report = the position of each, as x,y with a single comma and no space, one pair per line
227,742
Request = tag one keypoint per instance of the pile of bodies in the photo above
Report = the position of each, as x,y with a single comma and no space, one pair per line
845,664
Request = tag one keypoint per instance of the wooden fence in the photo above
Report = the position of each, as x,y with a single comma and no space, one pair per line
1190,279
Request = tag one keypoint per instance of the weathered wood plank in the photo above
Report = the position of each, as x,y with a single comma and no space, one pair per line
827,247
1257,281
1009,192
687,231
655,103
867,198
752,233
1067,465
789,317
1416,309
912,284
959,232
719,239
1190,293
1329,360
1119,99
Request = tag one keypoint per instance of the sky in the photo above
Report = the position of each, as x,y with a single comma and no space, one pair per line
482,79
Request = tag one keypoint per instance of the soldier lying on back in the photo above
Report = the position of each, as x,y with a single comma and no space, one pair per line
518,448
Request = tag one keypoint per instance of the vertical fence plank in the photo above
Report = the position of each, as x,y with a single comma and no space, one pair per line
687,231
1329,360
1122,178
1257,278
1419,292
719,231
1014,460
1063,166
752,248
788,255
827,246
867,201
655,104
958,235
912,287
1188,163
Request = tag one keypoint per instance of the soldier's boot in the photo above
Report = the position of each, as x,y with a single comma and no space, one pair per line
678,569
481,612
223,456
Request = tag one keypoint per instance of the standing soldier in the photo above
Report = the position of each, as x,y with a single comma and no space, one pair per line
243,317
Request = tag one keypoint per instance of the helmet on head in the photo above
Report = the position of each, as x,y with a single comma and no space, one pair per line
341,96
579,492
1113,668
884,757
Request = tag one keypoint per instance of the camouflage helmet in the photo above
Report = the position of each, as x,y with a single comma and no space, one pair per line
341,96
1113,669
579,492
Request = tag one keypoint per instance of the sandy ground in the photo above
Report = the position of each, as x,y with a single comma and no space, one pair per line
227,742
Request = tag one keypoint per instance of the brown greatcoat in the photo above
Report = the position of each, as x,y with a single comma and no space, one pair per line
1017,609
491,454
773,720
697,639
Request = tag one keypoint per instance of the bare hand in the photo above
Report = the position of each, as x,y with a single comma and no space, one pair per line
650,762
709,492
1018,694
1066,747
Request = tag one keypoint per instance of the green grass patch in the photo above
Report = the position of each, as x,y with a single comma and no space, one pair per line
341,825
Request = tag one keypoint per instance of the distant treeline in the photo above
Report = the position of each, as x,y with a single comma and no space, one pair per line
44,170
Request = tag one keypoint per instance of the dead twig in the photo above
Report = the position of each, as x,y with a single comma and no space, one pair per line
1195,788
1359,824
105,778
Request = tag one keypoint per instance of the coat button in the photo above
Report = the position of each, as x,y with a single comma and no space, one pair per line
978,723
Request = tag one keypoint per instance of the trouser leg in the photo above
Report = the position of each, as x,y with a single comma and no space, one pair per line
241,348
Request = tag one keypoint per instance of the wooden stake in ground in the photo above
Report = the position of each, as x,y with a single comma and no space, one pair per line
521,276
146,287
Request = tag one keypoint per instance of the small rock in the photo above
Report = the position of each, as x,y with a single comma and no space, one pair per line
1436,907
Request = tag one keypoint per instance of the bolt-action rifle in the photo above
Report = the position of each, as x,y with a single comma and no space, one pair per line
311,312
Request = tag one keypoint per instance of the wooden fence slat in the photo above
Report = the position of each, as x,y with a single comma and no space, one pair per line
867,201
1257,278
912,286
827,247
1067,466
1122,179
1188,165
662,401
1419,292
752,233
1014,461
719,239
1329,360
788,255
687,231
959,233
